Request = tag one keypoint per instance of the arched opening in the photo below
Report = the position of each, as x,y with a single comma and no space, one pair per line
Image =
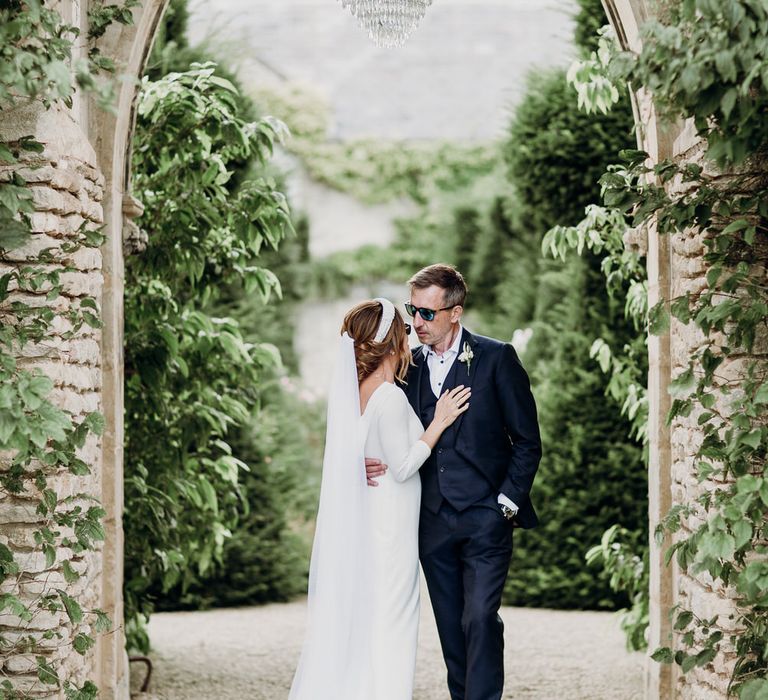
111,135
626,18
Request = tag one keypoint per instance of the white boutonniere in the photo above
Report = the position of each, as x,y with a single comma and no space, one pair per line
467,356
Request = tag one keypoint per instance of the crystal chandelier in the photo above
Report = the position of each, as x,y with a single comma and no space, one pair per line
388,22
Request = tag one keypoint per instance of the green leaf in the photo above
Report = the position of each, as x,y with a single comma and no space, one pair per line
658,319
752,438
7,564
50,555
742,532
46,673
663,655
13,234
688,663
754,689
683,384
713,274
70,575
717,545
684,619
223,83
6,155
50,499
8,601
8,425
761,397
95,422
737,225
728,101
748,483
72,607
208,494
92,320
102,623
82,643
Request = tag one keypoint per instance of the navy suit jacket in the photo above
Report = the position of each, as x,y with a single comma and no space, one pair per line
499,433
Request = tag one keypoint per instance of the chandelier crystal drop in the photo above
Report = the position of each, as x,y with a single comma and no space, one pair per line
388,22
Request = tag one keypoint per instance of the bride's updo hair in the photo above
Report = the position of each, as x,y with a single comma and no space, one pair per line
362,322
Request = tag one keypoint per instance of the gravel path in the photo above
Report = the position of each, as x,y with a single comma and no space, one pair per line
250,654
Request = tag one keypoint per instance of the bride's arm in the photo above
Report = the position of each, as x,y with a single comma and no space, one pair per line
403,457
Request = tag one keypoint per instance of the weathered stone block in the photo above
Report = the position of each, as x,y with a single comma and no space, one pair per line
30,686
18,513
32,249
71,223
87,259
95,212
48,199
81,284
86,351
44,222
20,637
23,663
42,620
20,536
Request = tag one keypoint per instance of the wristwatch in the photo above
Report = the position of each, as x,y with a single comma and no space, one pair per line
507,511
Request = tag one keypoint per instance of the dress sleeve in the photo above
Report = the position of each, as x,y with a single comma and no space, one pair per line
402,455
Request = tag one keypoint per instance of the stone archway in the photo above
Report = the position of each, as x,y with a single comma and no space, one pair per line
93,147
626,17
112,135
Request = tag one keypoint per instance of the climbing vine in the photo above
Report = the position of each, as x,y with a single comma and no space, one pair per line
43,61
602,232
705,62
192,375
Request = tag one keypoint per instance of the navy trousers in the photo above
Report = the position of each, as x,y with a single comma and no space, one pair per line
465,556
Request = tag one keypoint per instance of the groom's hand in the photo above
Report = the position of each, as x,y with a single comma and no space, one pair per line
374,468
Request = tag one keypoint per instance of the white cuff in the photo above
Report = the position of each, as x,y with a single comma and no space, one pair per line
503,499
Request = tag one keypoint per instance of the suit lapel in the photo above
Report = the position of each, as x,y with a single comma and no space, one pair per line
466,371
415,392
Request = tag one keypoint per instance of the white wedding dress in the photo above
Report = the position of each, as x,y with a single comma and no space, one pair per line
392,431
363,593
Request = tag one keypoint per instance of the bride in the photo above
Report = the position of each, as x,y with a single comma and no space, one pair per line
363,606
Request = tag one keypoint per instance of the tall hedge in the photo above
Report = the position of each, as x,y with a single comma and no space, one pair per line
592,474
217,446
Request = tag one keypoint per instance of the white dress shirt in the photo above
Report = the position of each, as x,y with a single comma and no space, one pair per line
439,365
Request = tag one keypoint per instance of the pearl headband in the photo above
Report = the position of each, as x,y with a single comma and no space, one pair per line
387,316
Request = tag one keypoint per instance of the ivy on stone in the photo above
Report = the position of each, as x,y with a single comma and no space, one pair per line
36,437
705,62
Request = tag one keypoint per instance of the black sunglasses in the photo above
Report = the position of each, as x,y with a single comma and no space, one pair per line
426,314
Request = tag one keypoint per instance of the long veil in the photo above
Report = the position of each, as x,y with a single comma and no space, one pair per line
335,662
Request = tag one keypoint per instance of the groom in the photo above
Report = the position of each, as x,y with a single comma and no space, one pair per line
476,482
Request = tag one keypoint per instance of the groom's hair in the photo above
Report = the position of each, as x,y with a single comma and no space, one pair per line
445,276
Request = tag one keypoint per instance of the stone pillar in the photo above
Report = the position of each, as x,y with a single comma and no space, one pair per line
67,190
81,176
626,17
675,265
111,135
696,592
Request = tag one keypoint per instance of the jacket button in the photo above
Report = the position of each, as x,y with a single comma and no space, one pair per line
440,451
442,469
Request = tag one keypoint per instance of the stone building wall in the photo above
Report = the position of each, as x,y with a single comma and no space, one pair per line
67,190
698,593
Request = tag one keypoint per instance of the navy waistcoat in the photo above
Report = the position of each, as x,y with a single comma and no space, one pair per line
446,475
